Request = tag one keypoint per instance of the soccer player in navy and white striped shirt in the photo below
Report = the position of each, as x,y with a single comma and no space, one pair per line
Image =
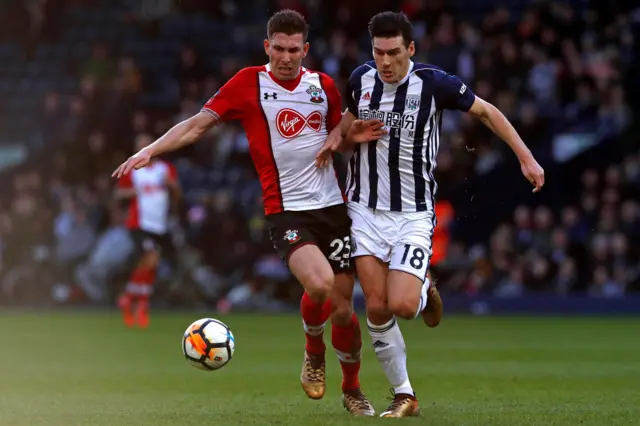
395,109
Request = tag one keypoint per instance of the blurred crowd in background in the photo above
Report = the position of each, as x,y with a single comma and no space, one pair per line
85,78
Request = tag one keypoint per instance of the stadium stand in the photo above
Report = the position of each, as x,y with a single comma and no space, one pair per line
89,76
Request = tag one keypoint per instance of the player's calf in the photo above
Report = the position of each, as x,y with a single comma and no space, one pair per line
125,303
142,312
432,312
346,338
409,304
138,289
347,342
314,318
312,270
316,276
342,299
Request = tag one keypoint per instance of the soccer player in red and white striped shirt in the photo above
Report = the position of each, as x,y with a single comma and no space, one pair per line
150,191
287,112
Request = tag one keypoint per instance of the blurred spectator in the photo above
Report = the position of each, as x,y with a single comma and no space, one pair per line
603,285
550,67
100,67
103,262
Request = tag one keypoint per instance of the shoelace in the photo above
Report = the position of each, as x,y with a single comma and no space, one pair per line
396,400
358,400
314,370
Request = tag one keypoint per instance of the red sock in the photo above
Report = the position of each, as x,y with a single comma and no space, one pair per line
142,311
347,342
125,302
314,316
143,276
138,290
141,282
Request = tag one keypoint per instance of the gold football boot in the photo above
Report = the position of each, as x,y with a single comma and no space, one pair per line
432,313
313,376
402,405
357,404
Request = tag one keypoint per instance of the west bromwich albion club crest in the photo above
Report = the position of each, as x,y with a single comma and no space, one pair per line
316,94
412,102
291,236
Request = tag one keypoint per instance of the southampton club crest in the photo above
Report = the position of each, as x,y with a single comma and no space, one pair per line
412,102
291,236
316,94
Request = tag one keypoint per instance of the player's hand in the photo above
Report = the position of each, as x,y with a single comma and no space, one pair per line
136,161
362,131
533,172
330,146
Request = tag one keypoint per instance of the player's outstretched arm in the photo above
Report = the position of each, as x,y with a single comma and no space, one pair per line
182,134
498,124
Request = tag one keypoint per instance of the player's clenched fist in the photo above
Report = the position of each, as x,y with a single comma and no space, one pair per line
137,161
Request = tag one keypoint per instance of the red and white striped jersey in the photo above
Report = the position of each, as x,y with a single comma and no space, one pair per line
149,209
287,122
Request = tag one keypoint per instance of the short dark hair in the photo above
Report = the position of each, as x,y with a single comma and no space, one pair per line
289,22
391,24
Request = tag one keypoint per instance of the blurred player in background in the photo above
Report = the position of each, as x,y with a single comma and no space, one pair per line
394,115
287,112
151,193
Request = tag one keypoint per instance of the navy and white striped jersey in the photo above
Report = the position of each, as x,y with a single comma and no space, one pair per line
395,173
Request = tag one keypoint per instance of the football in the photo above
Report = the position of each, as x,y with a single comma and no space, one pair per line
208,344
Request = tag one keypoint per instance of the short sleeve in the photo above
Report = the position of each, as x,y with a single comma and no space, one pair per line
172,172
352,105
228,103
354,87
452,93
334,114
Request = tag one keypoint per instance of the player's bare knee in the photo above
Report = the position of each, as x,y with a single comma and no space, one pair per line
341,311
405,308
377,310
319,286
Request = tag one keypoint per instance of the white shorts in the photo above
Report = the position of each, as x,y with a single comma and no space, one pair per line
402,239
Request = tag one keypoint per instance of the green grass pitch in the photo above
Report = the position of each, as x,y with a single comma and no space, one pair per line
85,368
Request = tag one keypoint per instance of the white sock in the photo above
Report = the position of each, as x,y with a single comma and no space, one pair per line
390,349
423,296
313,330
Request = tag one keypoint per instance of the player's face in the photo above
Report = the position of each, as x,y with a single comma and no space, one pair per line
285,54
392,57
